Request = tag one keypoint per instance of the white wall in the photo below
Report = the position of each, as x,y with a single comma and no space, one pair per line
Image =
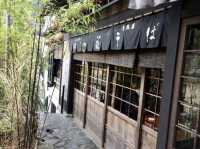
66,66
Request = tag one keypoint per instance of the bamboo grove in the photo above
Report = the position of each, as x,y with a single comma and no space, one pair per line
19,70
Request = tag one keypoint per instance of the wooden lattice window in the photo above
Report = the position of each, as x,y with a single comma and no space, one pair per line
80,75
97,78
153,97
124,90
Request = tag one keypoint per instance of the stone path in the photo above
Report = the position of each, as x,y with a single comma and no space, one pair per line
61,132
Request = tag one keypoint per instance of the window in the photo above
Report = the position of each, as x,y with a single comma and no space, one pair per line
193,37
54,70
188,116
50,70
153,88
124,90
80,75
57,64
98,76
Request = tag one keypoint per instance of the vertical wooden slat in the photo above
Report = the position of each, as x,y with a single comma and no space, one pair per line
140,111
106,106
86,93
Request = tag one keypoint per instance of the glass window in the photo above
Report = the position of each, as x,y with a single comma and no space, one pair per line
192,65
98,78
193,37
124,90
153,92
188,116
80,75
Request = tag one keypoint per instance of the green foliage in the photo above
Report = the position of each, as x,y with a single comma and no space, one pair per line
16,43
77,17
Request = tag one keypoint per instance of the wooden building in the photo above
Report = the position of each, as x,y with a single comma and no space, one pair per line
135,80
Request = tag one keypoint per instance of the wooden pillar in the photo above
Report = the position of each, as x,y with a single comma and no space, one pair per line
86,93
169,75
140,111
108,79
70,92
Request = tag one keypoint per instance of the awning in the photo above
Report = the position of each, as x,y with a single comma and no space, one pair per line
144,33
132,34
153,31
106,40
90,42
102,39
75,44
118,37
97,41
84,43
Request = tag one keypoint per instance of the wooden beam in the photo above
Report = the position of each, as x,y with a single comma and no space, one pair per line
152,59
140,111
119,59
106,106
85,95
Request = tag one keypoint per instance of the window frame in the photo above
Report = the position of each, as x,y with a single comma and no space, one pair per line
178,78
136,74
156,96
113,97
82,84
97,79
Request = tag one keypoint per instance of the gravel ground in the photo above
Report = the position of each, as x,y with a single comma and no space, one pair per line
61,132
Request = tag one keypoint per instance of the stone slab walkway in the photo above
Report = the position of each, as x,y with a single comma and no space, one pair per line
61,132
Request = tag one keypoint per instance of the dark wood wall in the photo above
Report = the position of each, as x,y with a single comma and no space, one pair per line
191,8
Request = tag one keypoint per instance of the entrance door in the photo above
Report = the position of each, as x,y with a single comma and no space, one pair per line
185,122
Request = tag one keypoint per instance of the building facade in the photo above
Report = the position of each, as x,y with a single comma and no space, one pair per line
134,82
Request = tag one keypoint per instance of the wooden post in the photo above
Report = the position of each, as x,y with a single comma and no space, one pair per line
169,75
86,93
106,106
62,98
140,111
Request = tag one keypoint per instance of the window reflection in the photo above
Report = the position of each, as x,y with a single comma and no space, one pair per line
188,116
98,78
190,91
192,65
153,91
184,139
193,37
